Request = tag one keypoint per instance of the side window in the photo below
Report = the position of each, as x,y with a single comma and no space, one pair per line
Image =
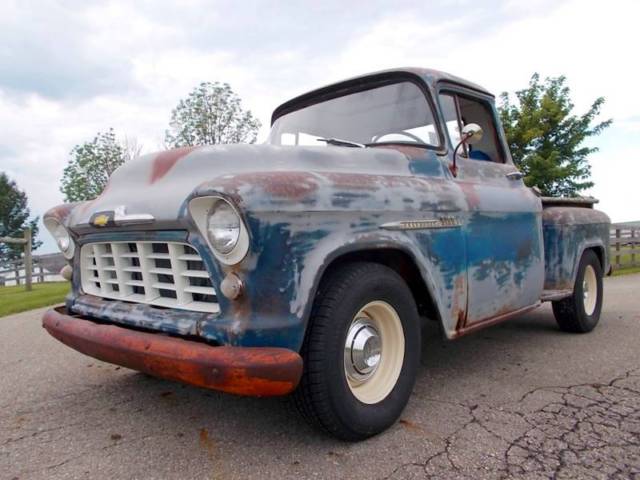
460,110
474,111
450,112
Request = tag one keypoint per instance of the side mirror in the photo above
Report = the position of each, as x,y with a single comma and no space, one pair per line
471,133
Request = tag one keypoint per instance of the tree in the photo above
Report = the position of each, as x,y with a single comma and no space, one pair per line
92,163
547,140
211,114
14,218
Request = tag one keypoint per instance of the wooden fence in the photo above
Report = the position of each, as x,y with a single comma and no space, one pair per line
16,272
27,260
625,247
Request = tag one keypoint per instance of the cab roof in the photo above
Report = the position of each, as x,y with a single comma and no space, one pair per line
428,75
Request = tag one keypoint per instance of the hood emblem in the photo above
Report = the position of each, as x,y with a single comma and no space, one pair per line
100,220
119,216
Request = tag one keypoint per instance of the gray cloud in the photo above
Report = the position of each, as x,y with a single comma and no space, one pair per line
45,50
52,49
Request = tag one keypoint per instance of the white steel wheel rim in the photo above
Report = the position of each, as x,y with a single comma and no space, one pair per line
589,290
374,352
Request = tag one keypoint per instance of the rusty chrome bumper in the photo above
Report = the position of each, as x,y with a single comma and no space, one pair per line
255,371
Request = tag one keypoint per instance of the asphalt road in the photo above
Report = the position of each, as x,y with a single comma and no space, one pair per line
520,400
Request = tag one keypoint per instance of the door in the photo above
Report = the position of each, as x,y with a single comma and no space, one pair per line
503,229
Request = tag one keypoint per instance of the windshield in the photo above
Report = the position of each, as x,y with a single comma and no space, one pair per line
393,113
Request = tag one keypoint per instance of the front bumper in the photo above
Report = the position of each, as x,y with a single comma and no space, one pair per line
255,371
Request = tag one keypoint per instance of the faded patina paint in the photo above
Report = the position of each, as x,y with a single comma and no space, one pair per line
304,207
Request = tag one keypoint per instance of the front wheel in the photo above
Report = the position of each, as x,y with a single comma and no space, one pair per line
580,312
361,352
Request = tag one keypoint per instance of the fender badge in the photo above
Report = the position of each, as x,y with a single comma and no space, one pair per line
442,222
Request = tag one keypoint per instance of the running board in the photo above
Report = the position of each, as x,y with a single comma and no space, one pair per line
553,295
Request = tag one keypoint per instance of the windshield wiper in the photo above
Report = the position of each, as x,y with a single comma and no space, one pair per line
399,142
341,143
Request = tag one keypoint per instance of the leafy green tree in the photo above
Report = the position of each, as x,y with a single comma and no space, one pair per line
211,114
547,140
14,218
90,167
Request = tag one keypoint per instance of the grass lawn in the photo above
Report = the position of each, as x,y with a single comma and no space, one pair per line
625,271
626,258
16,299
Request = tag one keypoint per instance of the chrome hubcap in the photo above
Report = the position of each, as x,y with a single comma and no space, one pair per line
362,350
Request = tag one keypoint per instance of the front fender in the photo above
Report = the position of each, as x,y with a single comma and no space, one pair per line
299,222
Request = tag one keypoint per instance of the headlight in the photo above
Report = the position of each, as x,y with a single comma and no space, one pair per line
62,237
223,227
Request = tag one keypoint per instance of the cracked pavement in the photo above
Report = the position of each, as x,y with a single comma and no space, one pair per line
518,400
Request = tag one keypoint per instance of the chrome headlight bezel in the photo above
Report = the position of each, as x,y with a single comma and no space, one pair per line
61,235
202,209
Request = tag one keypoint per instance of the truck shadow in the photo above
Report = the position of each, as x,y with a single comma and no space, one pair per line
445,366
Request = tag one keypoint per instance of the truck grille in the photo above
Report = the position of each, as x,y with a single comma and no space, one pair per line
164,274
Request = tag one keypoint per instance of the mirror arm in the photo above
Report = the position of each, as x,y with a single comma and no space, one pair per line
454,166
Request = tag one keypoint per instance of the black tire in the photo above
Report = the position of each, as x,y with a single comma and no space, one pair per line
324,397
570,312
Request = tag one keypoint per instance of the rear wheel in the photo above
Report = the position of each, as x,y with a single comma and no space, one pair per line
361,352
580,312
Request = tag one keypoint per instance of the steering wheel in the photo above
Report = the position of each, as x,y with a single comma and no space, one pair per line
406,134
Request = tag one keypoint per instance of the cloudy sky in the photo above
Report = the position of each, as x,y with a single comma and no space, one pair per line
69,69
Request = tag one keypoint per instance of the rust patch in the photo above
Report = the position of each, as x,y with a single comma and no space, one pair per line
165,161
459,309
255,371
61,212
290,185
500,317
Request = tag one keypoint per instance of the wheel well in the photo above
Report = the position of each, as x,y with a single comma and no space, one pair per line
403,264
599,251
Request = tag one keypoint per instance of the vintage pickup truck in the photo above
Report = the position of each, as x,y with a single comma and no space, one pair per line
305,265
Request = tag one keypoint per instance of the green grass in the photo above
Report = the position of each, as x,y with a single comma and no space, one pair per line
17,299
625,271
625,258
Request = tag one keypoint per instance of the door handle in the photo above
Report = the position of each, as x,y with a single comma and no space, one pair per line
515,175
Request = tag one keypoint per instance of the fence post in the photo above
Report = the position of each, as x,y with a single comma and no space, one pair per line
16,270
617,248
27,258
41,273
633,247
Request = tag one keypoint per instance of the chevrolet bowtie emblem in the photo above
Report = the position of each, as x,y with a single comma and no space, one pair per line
118,216
101,220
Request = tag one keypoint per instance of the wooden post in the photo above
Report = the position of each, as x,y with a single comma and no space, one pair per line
16,271
28,267
617,248
41,273
633,247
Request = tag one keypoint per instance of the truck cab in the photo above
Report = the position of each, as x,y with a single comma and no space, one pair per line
304,266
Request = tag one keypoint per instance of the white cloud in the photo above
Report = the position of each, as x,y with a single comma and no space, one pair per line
125,65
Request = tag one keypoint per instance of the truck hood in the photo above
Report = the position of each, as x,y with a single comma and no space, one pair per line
159,184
